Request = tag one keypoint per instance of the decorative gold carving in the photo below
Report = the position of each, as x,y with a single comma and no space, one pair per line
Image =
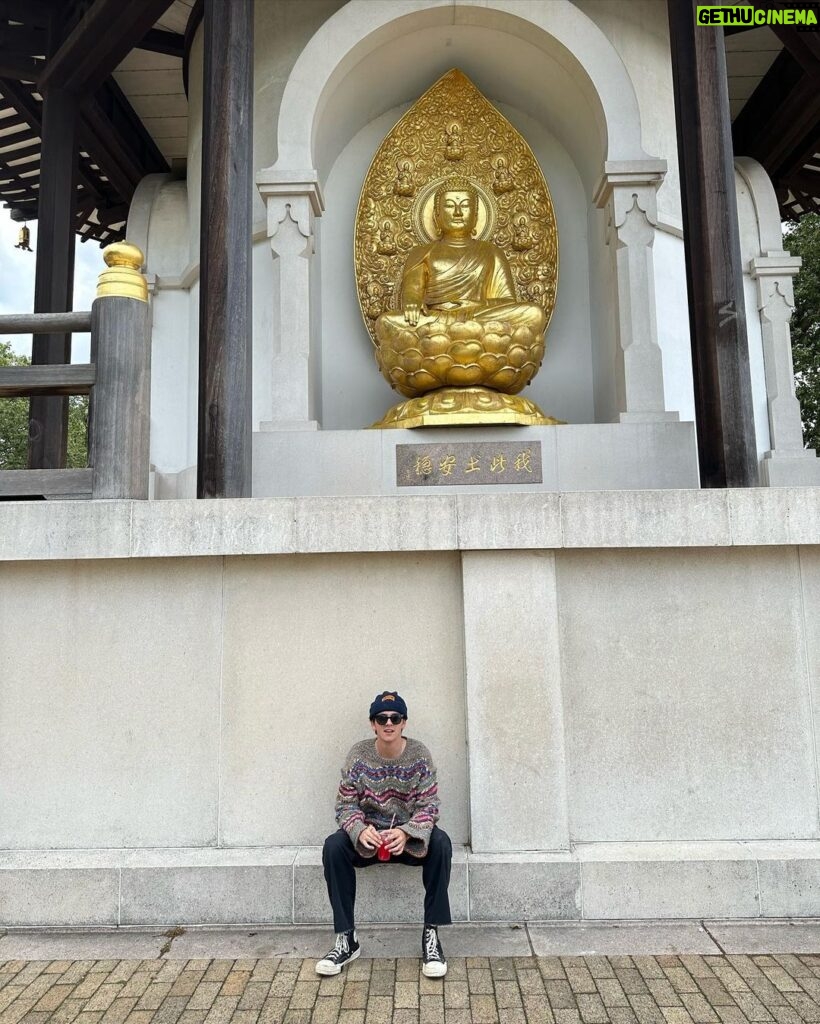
464,407
405,186
453,149
502,179
456,276
387,240
123,277
522,233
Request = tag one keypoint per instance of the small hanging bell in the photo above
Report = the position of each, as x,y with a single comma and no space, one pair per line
24,239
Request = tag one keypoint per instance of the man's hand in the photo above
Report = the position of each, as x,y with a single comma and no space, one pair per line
370,838
411,313
396,840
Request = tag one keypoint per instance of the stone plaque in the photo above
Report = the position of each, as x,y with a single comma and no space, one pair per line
464,462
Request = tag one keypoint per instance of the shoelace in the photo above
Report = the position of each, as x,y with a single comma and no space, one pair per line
340,948
431,944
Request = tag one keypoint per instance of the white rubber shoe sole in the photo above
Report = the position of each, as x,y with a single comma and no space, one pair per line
435,969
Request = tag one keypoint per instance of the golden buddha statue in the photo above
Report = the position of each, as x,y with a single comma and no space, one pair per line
460,322
457,294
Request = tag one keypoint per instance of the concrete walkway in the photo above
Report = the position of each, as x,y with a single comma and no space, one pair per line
705,972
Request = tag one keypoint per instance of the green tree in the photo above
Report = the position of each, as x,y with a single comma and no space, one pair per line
803,239
14,423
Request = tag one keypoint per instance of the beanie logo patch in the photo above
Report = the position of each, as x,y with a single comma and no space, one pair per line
388,696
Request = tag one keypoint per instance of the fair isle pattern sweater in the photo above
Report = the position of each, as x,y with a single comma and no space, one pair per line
374,788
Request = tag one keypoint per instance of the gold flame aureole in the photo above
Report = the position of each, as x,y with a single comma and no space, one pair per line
453,130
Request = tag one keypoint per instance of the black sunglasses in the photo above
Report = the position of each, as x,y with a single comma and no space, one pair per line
391,719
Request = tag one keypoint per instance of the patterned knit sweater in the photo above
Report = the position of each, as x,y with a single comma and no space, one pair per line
374,788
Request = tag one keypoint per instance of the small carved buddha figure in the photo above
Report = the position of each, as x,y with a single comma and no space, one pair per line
374,302
522,235
453,149
457,289
387,240
502,179
404,180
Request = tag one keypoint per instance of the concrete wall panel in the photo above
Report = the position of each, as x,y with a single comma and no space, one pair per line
308,643
109,687
685,695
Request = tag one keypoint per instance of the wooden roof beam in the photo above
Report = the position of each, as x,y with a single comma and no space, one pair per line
30,12
157,41
802,181
803,46
107,32
23,39
29,109
20,68
779,121
113,134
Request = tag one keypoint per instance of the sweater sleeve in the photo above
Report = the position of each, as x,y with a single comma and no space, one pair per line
349,815
425,811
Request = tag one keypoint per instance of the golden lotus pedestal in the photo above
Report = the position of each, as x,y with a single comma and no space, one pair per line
452,407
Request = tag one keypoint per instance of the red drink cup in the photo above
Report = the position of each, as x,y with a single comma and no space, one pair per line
383,853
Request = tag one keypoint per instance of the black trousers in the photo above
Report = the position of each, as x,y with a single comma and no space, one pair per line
340,861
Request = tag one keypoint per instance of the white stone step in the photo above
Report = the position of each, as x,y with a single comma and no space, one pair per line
285,885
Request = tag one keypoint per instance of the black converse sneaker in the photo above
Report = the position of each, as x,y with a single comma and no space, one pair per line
434,965
346,949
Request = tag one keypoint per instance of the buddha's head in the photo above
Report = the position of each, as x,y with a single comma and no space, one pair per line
455,208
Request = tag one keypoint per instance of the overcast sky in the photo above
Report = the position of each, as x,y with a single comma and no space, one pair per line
17,282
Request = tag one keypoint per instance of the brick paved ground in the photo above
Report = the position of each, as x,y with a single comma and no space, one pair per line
782,988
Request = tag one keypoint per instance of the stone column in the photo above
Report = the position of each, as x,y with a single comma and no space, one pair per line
788,462
292,205
515,722
628,193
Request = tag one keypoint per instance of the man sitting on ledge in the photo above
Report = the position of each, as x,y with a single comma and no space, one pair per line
388,799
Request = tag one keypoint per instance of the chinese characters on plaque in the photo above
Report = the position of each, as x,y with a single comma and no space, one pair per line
463,462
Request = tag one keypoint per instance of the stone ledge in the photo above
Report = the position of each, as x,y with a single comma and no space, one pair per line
465,522
284,885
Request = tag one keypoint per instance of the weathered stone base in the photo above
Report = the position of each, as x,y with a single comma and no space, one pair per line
284,885
574,457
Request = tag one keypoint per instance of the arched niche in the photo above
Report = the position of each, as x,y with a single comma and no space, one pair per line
551,70
585,95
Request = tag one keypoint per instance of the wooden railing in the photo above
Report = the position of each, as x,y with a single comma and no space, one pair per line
119,383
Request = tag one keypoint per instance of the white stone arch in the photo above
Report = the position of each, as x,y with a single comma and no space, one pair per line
361,26
321,111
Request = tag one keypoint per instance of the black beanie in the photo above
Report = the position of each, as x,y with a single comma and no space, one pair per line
388,701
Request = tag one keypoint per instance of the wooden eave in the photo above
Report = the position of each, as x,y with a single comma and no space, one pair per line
133,122
774,91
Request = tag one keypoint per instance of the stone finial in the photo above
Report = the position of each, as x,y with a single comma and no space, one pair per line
123,277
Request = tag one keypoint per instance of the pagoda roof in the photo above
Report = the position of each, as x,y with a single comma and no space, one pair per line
129,63
126,61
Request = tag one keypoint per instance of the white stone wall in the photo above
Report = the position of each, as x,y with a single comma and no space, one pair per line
610,694
210,702
620,690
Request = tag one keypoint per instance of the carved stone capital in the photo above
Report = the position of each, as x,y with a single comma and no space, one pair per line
629,184
775,298
291,195
782,265
290,226
775,291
